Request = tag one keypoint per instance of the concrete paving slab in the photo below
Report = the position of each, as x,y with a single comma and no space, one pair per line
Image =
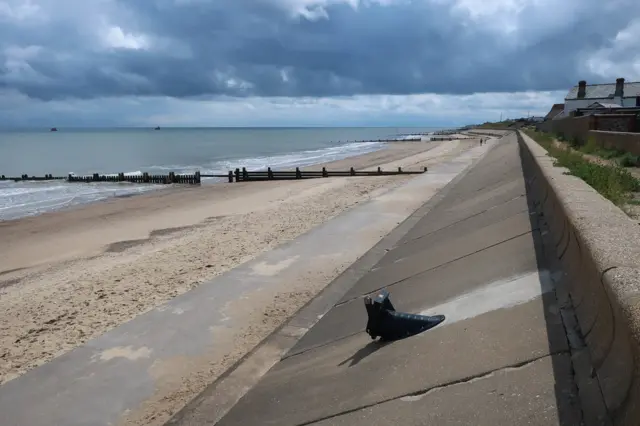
524,395
475,195
494,214
496,170
412,261
356,372
507,183
430,288
502,216
453,212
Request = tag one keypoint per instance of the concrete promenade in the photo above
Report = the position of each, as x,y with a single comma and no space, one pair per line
501,357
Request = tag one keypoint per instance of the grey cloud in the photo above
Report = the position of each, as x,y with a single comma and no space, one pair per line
256,48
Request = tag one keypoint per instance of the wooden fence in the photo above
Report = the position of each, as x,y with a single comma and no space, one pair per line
237,175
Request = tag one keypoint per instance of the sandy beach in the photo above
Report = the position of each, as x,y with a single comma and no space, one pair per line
68,276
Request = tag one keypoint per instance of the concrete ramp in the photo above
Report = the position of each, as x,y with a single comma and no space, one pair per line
501,357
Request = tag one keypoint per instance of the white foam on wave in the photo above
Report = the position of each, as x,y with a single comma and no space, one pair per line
301,159
279,161
20,199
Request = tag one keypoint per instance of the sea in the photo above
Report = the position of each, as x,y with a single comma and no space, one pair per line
181,150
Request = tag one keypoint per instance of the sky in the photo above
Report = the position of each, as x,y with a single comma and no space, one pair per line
304,62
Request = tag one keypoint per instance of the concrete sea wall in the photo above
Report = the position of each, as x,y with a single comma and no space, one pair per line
599,248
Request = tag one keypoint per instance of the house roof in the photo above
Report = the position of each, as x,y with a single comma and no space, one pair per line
603,105
605,91
560,115
555,110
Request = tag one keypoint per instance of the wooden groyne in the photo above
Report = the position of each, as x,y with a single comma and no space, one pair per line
193,179
237,175
416,139
243,175
32,178
442,138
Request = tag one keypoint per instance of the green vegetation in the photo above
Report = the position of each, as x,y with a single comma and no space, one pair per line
497,125
629,160
624,159
612,181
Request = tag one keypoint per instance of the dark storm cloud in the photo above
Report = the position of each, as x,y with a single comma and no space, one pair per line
190,48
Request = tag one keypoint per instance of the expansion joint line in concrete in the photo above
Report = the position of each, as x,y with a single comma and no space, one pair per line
467,218
439,266
427,391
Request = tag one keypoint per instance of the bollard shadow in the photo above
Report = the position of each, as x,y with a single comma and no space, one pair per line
364,352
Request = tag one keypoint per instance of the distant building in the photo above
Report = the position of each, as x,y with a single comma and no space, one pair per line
619,93
555,110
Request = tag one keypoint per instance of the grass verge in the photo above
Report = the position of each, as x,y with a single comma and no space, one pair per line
612,181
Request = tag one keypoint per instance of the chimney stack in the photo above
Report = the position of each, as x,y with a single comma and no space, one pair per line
582,89
619,88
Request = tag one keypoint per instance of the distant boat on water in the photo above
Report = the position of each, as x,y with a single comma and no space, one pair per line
54,129
157,128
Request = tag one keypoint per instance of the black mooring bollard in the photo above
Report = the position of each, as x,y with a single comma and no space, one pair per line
388,324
